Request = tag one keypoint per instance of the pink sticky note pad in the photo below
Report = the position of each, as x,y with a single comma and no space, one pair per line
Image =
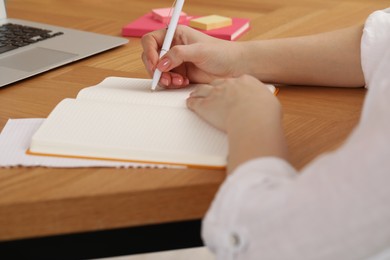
163,15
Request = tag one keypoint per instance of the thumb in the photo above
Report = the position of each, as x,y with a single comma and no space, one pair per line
177,55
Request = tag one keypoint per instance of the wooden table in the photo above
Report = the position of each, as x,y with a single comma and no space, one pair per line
46,202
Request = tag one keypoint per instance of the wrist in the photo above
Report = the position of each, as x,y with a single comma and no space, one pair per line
240,59
260,60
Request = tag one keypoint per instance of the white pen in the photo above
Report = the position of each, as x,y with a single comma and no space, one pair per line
168,38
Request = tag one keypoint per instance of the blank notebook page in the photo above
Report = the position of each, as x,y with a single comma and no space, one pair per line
135,91
127,131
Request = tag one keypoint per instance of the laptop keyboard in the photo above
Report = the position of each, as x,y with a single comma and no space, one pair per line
13,36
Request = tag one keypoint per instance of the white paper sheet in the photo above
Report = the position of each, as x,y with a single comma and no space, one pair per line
15,140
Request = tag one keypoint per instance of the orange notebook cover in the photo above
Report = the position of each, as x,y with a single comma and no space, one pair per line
146,24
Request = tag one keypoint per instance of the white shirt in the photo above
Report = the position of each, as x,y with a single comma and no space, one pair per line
338,207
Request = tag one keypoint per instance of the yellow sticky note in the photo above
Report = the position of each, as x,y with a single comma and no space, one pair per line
210,22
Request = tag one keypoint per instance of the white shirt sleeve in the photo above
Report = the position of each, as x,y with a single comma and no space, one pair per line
375,42
338,207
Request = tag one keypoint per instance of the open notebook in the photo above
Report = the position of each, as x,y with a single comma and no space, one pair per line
120,119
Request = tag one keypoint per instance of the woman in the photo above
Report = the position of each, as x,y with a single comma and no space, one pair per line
338,206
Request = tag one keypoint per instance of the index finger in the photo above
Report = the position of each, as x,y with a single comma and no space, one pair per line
202,90
151,44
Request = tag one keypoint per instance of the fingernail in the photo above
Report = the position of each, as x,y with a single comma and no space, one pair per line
164,81
177,81
189,103
164,64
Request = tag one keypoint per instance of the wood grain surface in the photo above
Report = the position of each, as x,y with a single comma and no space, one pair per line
41,201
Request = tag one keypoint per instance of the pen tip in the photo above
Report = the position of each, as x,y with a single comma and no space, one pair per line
153,88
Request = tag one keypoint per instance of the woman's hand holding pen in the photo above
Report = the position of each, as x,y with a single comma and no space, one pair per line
193,57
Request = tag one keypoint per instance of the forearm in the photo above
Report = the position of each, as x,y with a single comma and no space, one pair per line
327,59
259,136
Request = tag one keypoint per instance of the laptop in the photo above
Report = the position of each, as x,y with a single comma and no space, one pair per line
40,47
